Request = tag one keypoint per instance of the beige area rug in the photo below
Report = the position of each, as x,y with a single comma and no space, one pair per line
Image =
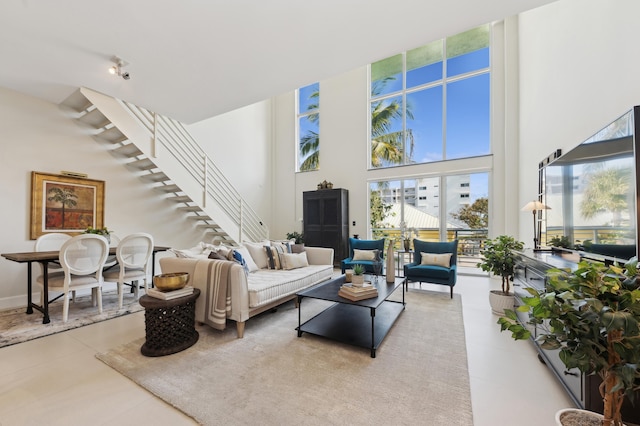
272,377
17,327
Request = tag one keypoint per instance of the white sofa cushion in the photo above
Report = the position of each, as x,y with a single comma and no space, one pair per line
258,253
268,285
248,259
293,260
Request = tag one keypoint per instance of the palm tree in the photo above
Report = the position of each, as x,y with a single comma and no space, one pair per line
387,146
607,191
310,142
64,196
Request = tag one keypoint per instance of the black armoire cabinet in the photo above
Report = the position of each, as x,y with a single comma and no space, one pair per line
326,220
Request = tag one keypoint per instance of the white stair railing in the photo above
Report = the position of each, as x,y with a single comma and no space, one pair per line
214,185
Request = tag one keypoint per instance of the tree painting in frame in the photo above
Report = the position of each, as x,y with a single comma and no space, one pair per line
65,204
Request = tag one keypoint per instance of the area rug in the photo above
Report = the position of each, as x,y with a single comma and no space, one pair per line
17,327
272,377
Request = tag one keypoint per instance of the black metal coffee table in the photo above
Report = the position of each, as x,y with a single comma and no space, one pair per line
364,323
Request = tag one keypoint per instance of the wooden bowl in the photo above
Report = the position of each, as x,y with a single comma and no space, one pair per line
172,281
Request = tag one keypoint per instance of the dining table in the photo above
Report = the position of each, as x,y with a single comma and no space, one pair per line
44,257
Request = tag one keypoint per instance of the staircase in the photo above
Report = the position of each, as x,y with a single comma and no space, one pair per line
162,152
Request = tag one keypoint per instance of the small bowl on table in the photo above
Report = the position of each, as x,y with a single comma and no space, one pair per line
171,281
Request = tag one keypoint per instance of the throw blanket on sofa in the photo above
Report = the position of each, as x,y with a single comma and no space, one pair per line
216,300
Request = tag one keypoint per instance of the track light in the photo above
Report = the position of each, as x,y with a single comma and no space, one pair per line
117,68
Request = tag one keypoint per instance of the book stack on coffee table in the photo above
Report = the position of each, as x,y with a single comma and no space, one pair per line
367,291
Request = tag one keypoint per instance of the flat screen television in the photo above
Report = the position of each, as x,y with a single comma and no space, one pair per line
592,193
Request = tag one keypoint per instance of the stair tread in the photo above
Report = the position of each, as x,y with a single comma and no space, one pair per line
181,199
169,188
128,150
156,177
77,102
112,134
142,164
94,118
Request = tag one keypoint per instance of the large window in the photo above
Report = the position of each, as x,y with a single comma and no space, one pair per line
440,208
432,103
308,114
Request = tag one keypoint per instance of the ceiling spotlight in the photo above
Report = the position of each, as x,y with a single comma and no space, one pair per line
117,68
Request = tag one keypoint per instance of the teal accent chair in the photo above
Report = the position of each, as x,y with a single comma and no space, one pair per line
358,244
434,274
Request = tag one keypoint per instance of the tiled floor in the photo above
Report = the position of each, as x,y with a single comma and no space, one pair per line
57,380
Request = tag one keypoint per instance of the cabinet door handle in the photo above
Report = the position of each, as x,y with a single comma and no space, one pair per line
536,278
569,373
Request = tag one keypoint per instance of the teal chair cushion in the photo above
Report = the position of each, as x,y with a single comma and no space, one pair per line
357,244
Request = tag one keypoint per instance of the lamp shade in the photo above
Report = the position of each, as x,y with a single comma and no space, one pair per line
535,205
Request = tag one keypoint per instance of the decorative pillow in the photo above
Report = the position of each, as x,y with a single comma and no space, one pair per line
293,260
365,254
436,259
201,251
215,255
238,258
282,246
244,252
257,253
273,256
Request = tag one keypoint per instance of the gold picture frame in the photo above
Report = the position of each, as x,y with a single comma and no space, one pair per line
65,204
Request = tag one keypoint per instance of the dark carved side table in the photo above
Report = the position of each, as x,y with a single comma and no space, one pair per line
169,324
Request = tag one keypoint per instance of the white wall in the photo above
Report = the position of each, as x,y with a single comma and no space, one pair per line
578,72
37,136
239,143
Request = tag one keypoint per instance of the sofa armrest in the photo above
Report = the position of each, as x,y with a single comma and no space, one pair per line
239,286
319,255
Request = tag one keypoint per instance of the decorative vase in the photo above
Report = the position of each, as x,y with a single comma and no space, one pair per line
407,245
391,276
348,275
357,280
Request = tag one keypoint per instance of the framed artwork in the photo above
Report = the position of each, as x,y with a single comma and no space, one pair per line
65,204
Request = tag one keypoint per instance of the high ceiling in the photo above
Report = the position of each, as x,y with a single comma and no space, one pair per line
194,59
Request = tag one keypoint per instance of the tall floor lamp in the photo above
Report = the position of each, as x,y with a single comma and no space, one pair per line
534,206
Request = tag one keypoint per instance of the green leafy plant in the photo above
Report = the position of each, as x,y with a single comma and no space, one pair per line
499,257
592,316
562,241
297,236
100,231
358,269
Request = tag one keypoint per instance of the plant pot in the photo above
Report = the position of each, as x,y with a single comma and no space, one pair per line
500,301
357,280
297,248
577,417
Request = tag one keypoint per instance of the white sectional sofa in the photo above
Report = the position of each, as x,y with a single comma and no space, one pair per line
246,293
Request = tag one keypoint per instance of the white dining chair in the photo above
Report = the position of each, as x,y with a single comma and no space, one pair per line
112,260
82,258
133,254
50,242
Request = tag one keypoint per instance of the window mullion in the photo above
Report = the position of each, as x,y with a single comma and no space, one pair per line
444,99
404,108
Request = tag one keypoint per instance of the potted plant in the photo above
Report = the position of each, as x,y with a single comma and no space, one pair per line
561,242
100,231
499,258
358,275
592,316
